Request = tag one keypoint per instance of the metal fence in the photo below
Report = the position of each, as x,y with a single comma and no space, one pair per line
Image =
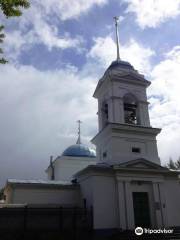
25,221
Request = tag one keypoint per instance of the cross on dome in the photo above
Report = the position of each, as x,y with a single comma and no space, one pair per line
79,132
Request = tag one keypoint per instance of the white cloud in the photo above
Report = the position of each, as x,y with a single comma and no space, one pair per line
34,28
41,23
165,99
39,111
151,13
69,9
104,51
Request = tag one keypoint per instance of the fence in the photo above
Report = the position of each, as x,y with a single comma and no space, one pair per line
31,220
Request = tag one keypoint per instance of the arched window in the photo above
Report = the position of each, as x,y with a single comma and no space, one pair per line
130,109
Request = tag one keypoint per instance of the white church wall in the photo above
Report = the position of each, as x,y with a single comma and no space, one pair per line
122,148
86,186
117,147
34,195
100,192
66,167
105,202
172,194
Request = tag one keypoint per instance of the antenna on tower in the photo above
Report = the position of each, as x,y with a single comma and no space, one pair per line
79,132
116,19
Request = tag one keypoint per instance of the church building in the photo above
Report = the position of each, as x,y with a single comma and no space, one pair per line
127,186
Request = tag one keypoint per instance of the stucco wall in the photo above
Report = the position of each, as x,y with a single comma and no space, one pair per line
172,194
122,148
66,167
33,195
105,202
100,192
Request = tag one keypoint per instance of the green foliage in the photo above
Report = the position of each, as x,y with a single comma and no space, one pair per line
10,8
177,163
174,164
2,36
1,193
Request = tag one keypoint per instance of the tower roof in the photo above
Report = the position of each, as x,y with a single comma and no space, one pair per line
121,64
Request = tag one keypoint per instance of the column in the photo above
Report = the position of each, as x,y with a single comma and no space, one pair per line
163,204
143,114
158,212
111,110
126,211
129,205
122,206
100,114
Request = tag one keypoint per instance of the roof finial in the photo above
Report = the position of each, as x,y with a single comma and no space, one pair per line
79,132
116,19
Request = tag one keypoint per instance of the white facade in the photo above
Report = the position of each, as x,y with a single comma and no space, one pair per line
124,126
66,166
128,187
42,193
116,142
110,192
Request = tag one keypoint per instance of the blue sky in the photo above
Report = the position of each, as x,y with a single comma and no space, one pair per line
57,51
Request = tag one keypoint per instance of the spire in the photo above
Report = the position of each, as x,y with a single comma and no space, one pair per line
79,132
116,19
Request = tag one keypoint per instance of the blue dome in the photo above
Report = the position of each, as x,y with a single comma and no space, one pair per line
79,150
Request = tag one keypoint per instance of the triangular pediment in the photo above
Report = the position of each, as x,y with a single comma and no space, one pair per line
141,164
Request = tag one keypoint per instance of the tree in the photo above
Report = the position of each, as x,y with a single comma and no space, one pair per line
2,60
1,193
174,164
177,163
10,8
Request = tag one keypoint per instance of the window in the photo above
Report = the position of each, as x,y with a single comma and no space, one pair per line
130,113
130,109
105,113
106,110
136,150
104,154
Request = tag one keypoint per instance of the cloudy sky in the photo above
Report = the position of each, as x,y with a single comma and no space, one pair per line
57,51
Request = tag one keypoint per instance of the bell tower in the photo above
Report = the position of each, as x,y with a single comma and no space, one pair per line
125,132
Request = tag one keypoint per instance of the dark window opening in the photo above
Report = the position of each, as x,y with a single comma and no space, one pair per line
105,113
104,154
130,113
136,150
106,110
130,109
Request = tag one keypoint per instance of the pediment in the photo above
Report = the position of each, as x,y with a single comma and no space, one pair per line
141,164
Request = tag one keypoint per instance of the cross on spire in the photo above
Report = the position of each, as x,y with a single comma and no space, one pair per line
116,19
79,132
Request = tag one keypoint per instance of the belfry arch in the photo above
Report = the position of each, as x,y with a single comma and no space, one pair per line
131,111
